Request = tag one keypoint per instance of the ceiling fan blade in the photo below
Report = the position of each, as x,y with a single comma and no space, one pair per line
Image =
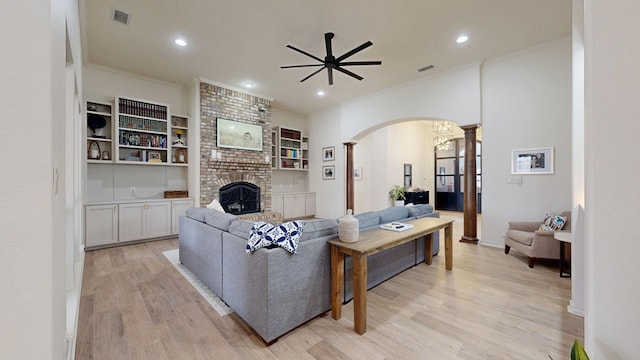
360,63
327,41
349,73
315,72
356,50
298,66
330,74
305,53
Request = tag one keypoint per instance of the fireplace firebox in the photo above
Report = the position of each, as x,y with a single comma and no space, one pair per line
240,198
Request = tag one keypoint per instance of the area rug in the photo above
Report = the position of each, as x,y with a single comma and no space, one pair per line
174,257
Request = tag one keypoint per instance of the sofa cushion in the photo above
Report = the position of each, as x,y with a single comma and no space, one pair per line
420,210
523,237
219,220
286,235
393,214
314,229
241,228
367,219
553,222
197,213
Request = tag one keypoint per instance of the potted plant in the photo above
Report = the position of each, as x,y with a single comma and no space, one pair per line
397,195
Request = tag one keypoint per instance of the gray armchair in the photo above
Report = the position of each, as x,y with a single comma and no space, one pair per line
525,237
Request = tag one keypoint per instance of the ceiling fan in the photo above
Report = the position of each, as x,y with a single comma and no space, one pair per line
331,62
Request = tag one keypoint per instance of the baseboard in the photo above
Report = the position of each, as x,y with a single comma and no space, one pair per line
73,309
499,245
574,309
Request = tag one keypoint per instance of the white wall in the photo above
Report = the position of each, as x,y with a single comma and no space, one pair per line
453,95
32,263
612,85
526,104
330,194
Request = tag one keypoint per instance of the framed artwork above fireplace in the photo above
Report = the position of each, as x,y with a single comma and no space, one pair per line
238,135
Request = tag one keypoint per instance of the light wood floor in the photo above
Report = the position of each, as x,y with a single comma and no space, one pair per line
135,305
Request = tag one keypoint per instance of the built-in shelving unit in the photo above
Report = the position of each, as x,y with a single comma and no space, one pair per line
179,136
293,149
274,149
99,132
142,129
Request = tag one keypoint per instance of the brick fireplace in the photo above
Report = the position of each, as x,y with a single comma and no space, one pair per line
234,165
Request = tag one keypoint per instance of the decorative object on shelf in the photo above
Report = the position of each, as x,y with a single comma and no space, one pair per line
106,155
532,161
155,157
238,135
173,194
328,172
93,150
357,173
348,228
178,140
331,62
96,123
328,153
397,195
181,155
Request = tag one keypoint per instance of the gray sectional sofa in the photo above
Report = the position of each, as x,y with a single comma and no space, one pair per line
272,290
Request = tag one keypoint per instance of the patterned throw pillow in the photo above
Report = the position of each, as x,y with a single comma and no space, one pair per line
553,222
286,235
257,236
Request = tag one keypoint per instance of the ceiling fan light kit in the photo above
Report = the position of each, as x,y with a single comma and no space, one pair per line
331,62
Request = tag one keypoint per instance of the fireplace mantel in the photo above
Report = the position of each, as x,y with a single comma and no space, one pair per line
238,165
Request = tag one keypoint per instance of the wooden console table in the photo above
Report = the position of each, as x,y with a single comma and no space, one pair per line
371,242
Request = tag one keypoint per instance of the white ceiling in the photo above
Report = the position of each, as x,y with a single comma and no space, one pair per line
232,42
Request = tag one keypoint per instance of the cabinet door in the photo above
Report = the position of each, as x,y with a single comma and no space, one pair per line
131,221
310,204
178,208
158,219
101,225
277,204
294,206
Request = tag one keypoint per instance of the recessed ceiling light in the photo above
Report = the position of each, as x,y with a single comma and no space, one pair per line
180,42
320,93
248,85
462,38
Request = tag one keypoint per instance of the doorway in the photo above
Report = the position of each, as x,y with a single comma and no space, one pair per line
449,175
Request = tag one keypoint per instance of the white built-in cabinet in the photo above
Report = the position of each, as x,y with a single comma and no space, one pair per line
179,208
101,224
114,223
294,205
144,220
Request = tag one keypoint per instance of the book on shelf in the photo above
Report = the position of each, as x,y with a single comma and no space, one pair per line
396,226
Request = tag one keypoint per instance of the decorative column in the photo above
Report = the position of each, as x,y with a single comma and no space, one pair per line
349,176
470,186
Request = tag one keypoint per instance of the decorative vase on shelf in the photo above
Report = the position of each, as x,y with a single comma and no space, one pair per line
348,230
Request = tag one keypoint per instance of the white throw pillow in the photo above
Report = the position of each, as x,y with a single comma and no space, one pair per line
215,205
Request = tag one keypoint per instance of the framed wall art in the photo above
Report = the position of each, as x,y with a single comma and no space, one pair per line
328,153
238,135
532,161
329,172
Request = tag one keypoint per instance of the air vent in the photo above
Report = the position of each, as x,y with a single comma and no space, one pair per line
121,16
425,68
